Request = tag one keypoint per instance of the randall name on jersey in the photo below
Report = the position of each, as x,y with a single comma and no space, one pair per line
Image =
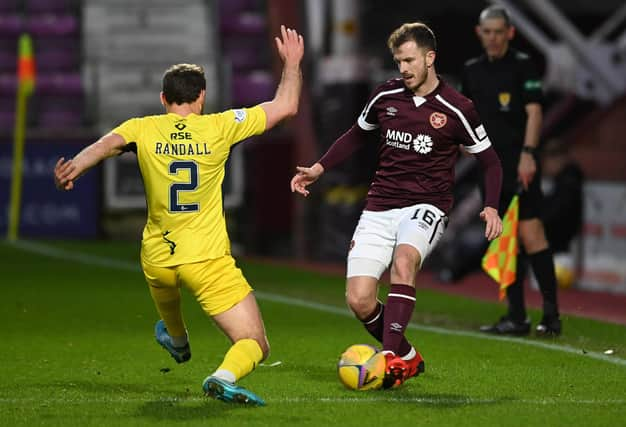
182,149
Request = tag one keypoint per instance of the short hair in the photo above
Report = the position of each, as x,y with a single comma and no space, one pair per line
495,12
418,32
182,83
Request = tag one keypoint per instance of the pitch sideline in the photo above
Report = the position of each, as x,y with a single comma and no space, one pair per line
432,401
94,260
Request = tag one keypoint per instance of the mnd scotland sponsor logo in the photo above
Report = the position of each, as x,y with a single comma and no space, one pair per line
421,143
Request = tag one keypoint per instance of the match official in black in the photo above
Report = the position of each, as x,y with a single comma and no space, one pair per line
506,90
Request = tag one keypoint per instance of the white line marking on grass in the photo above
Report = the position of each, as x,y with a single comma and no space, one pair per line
351,400
444,331
57,253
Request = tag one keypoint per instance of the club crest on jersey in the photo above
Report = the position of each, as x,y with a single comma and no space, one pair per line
438,120
240,115
391,111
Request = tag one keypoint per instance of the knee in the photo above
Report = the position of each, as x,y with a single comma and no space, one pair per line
404,267
533,238
361,305
265,347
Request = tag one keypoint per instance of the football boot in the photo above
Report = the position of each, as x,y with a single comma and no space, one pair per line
396,370
228,392
550,326
180,354
507,326
415,366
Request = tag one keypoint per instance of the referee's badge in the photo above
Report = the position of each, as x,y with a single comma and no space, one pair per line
505,99
438,120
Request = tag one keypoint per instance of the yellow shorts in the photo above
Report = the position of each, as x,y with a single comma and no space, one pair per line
217,284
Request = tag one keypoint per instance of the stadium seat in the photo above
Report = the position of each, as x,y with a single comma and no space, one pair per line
235,7
46,6
8,6
57,53
244,54
66,84
8,58
252,88
52,25
249,23
7,119
11,25
57,118
8,85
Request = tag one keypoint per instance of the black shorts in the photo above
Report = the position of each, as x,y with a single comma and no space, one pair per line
530,201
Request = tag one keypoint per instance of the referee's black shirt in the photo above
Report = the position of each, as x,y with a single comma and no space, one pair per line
500,89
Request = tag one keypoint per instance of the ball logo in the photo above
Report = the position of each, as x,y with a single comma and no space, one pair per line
423,144
438,120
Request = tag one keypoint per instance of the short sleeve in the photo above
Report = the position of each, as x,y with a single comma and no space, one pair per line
129,130
237,125
532,90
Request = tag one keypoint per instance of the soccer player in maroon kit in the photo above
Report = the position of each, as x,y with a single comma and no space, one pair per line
419,122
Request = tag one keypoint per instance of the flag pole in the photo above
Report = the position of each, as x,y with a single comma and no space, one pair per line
26,83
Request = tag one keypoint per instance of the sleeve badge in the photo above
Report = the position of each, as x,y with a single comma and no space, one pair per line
240,115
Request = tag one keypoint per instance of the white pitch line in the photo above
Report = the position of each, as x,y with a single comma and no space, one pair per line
306,400
57,253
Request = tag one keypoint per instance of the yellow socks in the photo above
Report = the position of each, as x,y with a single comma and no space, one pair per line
167,301
240,360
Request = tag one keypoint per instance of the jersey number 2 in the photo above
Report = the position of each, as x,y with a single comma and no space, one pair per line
191,185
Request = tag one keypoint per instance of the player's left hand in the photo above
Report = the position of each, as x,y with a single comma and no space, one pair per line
493,223
526,169
64,174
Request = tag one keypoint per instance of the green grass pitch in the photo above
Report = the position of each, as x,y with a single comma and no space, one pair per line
78,349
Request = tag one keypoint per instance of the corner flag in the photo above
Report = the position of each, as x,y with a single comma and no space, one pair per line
500,260
25,87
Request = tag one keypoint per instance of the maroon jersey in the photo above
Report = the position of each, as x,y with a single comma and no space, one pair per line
419,139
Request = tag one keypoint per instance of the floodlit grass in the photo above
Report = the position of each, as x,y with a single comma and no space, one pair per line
78,349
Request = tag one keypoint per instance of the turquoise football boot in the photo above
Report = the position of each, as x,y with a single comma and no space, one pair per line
180,354
228,392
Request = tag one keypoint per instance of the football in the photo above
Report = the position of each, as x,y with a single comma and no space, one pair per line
361,367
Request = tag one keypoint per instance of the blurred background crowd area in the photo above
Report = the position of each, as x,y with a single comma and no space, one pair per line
101,62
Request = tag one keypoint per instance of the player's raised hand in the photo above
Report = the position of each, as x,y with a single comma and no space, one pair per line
493,223
305,177
64,174
290,46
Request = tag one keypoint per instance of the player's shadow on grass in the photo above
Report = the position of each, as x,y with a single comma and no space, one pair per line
189,410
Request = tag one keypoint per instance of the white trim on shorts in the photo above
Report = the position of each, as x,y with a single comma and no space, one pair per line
378,234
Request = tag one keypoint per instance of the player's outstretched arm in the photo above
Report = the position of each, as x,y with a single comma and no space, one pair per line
290,48
67,171
304,177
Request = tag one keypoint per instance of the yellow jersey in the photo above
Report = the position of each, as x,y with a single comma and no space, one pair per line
182,164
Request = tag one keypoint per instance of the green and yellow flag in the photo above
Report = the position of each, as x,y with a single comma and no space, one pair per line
25,88
25,64
500,260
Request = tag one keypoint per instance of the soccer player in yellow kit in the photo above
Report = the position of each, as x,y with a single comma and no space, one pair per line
181,156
